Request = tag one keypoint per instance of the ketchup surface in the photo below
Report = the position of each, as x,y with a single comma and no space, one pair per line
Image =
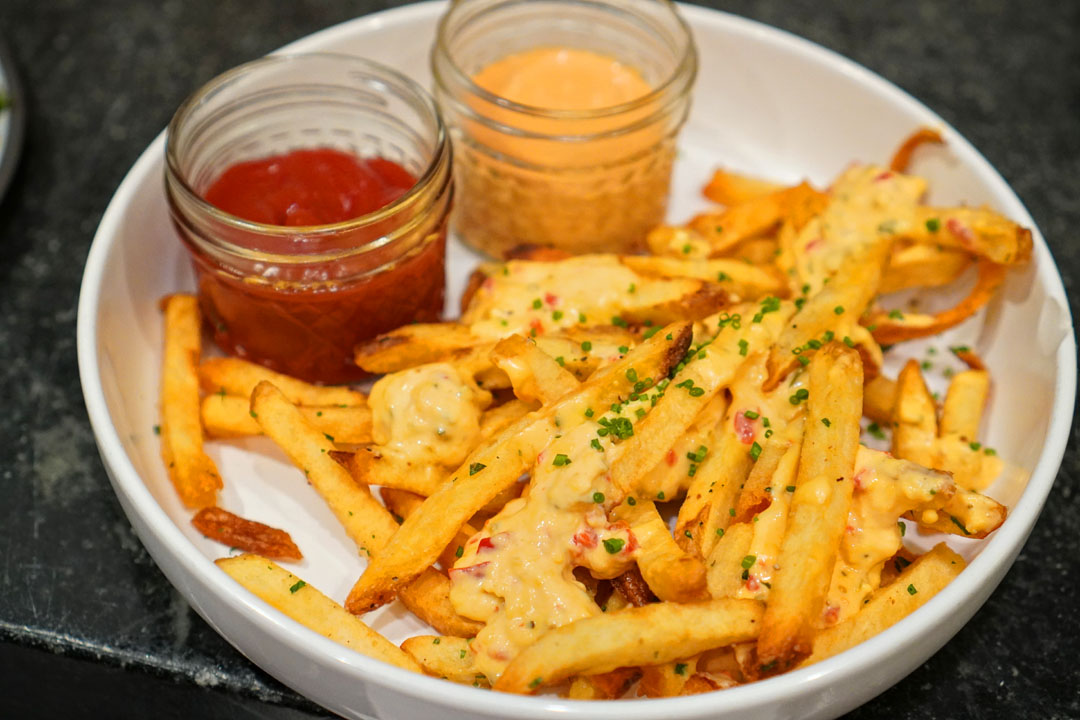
307,323
321,186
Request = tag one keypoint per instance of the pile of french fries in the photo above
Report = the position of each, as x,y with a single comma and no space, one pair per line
638,474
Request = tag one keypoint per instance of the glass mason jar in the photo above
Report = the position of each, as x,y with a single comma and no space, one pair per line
593,180
298,299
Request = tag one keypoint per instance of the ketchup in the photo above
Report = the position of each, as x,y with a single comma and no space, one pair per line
306,320
308,187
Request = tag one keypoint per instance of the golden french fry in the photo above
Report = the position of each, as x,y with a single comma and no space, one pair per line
893,327
445,657
915,585
412,345
247,535
819,509
368,467
366,522
535,375
757,216
303,603
901,159
710,500
731,188
652,634
839,303
667,679
724,563
746,281
404,503
192,472
492,468
496,419
604,686
922,266
229,416
967,513
879,396
670,573
758,491
979,231
676,471
428,597
239,377
964,403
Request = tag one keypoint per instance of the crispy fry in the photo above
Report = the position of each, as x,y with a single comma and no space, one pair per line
535,375
631,586
725,560
428,597
192,472
364,519
748,282
368,467
303,603
916,584
229,416
603,686
757,493
671,574
922,266
967,513
731,188
404,503
412,345
901,159
757,216
710,499
247,535
818,511
879,395
427,531
239,377
979,231
893,327
964,403
843,300
667,679
445,657
655,633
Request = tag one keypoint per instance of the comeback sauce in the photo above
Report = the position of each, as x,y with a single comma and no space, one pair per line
304,319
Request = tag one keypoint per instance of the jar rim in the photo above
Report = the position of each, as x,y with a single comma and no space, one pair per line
685,68
440,157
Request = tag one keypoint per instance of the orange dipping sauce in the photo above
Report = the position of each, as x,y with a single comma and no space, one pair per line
306,321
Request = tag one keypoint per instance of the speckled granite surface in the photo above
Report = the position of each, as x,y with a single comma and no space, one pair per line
79,597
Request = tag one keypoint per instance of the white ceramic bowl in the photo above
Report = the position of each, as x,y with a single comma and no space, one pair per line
766,102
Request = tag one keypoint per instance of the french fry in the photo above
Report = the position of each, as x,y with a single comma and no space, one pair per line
979,231
964,403
247,535
893,327
498,465
919,582
844,299
239,377
879,396
652,634
730,188
229,416
818,511
671,574
967,514
403,504
604,686
756,216
412,345
366,522
667,679
534,374
496,419
748,282
901,159
450,658
303,603
710,500
428,597
191,470
916,266
758,491
724,563
368,467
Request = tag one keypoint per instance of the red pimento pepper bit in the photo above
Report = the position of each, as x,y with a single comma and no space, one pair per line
814,244
883,176
536,327
476,570
961,232
745,428
551,299
586,539
752,583
832,614
670,458
858,479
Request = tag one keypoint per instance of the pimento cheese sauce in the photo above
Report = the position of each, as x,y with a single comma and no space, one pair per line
885,489
427,415
516,574
558,180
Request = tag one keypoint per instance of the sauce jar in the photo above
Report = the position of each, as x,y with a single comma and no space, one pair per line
298,298
586,170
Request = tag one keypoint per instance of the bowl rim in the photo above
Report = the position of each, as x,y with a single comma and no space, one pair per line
982,574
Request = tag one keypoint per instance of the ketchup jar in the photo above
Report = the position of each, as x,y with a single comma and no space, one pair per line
312,192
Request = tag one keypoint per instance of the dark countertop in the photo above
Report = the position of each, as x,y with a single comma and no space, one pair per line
80,600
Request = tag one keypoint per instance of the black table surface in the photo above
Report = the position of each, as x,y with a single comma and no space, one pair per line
90,627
